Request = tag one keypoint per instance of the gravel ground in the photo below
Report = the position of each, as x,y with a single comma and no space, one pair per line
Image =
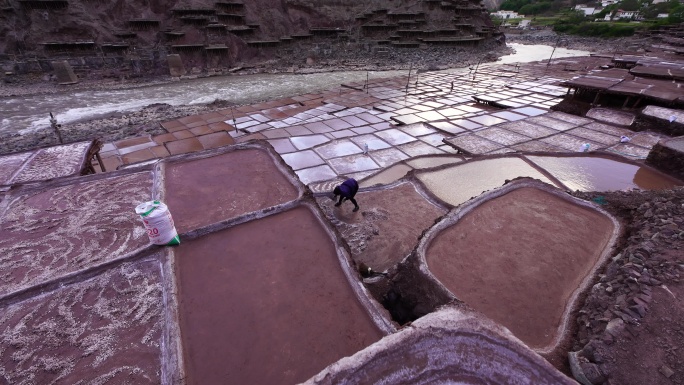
629,328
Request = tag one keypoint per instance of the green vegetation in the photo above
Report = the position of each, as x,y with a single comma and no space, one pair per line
602,29
555,13
533,7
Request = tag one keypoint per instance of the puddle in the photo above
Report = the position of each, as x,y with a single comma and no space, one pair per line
387,176
593,173
520,258
458,184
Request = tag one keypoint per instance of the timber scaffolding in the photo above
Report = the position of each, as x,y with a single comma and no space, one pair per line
647,81
185,29
407,29
230,18
44,4
115,48
230,6
69,46
143,24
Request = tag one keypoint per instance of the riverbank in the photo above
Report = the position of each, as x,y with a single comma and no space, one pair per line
390,59
114,126
591,44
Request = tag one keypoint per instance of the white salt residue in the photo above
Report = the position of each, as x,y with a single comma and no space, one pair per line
54,162
69,228
83,334
9,164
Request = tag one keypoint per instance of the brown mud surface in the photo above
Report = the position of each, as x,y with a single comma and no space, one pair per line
387,227
520,258
629,327
267,302
205,191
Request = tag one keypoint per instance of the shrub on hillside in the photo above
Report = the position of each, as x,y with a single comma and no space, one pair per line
595,29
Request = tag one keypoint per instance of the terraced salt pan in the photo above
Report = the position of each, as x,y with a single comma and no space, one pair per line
267,302
9,165
457,184
57,231
205,191
387,227
521,258
595,173
54,162
106,329
676,144
387,175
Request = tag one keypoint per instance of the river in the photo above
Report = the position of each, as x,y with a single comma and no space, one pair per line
30,113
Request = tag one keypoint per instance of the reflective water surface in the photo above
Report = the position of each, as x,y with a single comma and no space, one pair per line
593,173
455,185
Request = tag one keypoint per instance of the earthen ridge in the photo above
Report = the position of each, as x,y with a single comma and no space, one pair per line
438,339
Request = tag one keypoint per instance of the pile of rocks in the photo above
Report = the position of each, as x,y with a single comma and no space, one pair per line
591,44
652,256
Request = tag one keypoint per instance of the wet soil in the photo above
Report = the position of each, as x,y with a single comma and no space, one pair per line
520,258
248,181
297,311
387,227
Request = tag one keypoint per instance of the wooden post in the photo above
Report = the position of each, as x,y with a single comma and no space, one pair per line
99,161
232,113
55,127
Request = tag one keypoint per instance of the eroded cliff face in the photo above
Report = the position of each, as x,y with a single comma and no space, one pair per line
221,34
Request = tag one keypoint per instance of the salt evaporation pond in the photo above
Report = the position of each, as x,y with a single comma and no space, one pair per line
596,173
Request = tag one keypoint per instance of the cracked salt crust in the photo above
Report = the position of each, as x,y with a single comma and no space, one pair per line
103,330
54,162
58,231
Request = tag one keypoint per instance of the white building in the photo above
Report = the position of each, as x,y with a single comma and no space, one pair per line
506,15
663,15
605,3
620,14
587,10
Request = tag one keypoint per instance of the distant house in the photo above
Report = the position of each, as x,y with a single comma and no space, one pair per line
622,14
586,10
663,15
506,15
606,3
659,1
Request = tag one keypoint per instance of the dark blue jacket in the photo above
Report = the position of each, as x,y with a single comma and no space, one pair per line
349,188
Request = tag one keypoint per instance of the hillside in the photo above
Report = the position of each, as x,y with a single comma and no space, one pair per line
137,36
